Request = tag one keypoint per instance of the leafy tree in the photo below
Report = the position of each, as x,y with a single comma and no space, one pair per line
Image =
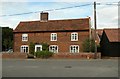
7,38
89,45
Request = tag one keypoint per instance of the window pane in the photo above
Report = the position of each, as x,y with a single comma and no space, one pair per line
74,48
53,37
24,37
26,49
53,49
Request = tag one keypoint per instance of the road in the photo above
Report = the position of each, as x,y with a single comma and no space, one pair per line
59,68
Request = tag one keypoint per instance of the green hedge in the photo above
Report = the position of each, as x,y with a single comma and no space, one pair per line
43,54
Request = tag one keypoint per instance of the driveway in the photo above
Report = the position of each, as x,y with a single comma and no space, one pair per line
59,68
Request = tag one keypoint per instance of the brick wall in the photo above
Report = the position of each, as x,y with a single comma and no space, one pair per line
81,55
64,55
63,40
14,55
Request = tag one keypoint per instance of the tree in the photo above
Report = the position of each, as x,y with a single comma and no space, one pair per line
7,38
89,45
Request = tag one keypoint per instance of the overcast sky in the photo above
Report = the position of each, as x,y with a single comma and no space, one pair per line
107,15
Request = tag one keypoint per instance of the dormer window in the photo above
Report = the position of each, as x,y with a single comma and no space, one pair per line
74,36
24,37
53,36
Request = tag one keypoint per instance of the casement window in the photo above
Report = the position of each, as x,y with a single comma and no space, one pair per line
74,36
74,49
53,48
38,48
53,36
24,37
24,48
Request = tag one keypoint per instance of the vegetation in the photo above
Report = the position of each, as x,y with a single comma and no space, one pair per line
89,45
45,53
31,48
7,38
45,47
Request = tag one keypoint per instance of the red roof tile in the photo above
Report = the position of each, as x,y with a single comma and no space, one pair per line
99,31
53,25
113,34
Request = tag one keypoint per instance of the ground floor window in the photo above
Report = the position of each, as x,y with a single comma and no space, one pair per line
38,48
53,48
74,49
24,48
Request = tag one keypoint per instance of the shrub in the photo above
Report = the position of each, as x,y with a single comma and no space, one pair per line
43,54
89,45
45,47
31,48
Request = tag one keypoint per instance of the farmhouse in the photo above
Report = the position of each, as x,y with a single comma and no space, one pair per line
62,36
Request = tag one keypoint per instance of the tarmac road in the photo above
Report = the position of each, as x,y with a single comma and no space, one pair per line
59,68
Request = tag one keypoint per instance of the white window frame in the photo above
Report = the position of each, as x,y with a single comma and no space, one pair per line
76,51
38,46
73,36
23,47
24,37
53,35
53,49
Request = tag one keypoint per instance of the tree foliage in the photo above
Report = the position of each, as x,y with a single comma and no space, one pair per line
7,38
89,45
45,46
31,48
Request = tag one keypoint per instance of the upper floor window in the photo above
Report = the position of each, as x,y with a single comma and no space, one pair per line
24,37
74,49
53,48
53,36
74,36
24,48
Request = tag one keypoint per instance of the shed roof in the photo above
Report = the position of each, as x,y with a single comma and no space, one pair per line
113,34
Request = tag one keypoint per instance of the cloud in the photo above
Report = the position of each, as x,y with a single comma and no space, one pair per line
106,15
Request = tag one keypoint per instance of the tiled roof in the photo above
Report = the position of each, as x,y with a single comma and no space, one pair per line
99,31
53,25
113,34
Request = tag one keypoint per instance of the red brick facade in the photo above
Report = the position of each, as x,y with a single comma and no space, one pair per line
40,32
63,40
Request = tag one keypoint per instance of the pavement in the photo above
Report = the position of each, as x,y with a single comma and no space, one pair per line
59,68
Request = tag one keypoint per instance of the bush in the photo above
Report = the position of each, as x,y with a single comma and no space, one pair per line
45,47
31,48
89,45
43,54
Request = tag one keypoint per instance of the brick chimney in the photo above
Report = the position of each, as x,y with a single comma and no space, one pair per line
44,16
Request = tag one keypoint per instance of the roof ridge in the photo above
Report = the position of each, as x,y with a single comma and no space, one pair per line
57,20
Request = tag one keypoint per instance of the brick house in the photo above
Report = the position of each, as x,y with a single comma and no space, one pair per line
62,36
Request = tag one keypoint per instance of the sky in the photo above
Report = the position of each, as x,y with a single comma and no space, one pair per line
107,15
